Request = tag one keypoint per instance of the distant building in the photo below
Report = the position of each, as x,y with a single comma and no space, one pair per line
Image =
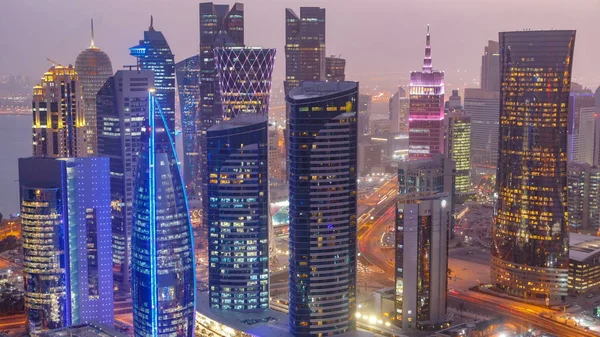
122,107
163,263
58,115
584,263
586,139
490,67
94,68
369,157
483,107
422,234
65,212
379,127
364,114
84,330
459,150
399,105
531,181
188,85
276,157
426,112
244,76
335,69
454,102
220,26
153,53
323,187
583,196
238,213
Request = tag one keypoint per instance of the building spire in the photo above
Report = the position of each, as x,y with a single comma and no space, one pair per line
151,24
427,65
92,45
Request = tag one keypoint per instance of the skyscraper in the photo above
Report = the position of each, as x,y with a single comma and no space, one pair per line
188,85
490,67
220,26
583,196
122,106
364,114
153,53
65,212
162,245
581,113
530,240
335,68
244,79
483,107
459,150
426,112
238,213
94,68
422,234
323,173
398,106
586,140
58,115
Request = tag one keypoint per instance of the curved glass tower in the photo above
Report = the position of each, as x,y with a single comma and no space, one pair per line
163,266
530,240
323,171
94,68
244,79
238,214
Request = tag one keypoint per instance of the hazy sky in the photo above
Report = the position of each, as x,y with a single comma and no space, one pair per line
378,38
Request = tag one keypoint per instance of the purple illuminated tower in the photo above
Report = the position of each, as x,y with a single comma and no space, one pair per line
426,114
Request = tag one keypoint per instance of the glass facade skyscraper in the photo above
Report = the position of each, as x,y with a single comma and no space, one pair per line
220,26
459,149
121,109
322,192
483,107
153,53
530,239
162,257
244,79
238,213
58,115
65,212
335,68
188,85
426,111
94,68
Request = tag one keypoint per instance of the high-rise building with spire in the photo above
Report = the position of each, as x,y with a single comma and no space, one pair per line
490,67
426,111
94,68
153,53
162,243
530,249
58,116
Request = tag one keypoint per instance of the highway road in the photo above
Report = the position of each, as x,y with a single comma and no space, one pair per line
12,322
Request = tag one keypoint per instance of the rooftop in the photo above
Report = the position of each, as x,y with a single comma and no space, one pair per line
314,89
239,121
83,330
582,247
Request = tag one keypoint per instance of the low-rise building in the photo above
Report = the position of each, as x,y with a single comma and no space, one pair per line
584,263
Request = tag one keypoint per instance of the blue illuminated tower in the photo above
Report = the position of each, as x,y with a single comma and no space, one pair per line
153,53
162,258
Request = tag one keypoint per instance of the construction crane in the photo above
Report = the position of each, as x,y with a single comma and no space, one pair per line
53,62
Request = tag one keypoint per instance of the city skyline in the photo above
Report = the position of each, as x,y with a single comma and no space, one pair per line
268,31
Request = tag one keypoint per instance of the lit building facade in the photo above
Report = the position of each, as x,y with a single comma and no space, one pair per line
220,26
584,263
586,138
238,214
188,86
335,68
162,247
490,67
58,115
459,149
483,107
322,187
530,237
65,212
422,234
153,53
244,79
121,108
583,196
426,111
94,68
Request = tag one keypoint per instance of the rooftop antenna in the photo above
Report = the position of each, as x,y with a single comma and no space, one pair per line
151,24
92,45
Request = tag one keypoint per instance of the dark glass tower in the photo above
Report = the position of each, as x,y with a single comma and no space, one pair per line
220,26
121,109
245,79
162,258
530,240
238,214
153,53
188,85
323,171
